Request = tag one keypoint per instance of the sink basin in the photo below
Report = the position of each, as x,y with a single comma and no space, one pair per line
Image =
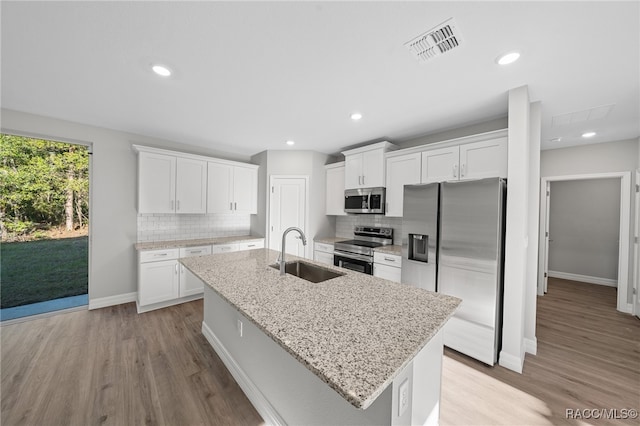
307,271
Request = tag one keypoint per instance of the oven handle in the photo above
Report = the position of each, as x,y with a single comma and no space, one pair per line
362,257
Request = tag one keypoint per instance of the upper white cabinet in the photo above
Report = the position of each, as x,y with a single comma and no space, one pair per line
170,184
232,188
174,182
365,166
475,160
401,170
335,189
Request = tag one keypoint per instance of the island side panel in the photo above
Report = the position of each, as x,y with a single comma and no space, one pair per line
279,386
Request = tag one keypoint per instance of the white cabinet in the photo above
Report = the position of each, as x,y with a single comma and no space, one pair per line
232,189
365,166
401,170
170,184
323,252
474,160
335,189
158,278
387,266
191,186
189,284
156,183
251,245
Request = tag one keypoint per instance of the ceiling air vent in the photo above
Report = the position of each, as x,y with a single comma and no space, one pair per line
441,39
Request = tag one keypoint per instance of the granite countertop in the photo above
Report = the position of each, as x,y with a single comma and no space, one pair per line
158,245
355,332
329,240
390,249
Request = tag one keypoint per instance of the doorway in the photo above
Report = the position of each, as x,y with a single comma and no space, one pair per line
288,206
622,183
44,220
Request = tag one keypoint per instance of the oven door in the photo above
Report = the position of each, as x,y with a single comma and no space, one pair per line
355,262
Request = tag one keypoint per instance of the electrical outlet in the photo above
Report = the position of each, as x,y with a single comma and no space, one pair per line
239,327
403,397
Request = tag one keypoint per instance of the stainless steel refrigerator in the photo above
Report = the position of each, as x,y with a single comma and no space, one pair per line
467,239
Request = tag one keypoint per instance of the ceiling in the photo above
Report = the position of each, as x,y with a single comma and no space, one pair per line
250,75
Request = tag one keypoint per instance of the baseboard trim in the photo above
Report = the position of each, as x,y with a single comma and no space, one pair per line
627,308
259,401
167,303
584,278
103,302
531,346
511,362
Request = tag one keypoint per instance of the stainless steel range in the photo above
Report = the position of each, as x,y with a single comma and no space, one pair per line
357,254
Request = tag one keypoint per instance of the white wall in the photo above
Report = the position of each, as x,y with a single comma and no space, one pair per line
295,162
584,227
617,156
113,220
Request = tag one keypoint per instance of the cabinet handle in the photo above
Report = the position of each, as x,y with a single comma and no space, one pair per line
455,170
235,205
462,169
178,205
363,180
359,180
159,254
176,269
388,259
230,206
251,245
195,251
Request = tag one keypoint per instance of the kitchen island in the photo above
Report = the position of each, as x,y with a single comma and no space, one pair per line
351,350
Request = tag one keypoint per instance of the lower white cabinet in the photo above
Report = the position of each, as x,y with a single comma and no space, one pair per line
323,253
387,266
158,277
163,281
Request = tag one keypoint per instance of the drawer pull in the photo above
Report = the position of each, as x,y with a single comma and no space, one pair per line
251,245
160,254
195,251
388,259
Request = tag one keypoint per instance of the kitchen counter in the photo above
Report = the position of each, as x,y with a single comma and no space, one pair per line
158,245
390,249
355,332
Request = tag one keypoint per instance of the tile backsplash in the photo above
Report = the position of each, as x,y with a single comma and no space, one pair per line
170,227
345,224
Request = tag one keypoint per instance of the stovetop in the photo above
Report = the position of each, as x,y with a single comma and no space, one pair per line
360,243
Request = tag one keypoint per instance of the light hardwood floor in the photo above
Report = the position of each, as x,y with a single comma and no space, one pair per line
114,367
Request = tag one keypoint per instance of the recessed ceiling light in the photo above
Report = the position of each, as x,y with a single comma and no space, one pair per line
588,134
507,58
290,143
356,116
161,70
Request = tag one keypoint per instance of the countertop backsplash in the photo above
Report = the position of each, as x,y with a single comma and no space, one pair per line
170,227
345,224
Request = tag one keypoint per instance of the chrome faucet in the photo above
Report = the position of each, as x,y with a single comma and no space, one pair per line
284,237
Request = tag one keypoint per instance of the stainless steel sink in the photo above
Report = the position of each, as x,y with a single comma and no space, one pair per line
307,271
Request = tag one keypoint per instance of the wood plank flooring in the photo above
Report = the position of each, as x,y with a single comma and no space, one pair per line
114,367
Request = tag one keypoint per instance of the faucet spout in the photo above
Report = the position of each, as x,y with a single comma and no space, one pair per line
284,238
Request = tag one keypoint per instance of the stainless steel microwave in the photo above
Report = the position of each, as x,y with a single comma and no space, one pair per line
364,200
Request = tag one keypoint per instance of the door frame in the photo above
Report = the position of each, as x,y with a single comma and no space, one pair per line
636,248
624,232
307,248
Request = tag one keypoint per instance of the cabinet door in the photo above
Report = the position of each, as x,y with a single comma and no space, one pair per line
439,165
158,282
245,190
353,171
373,168
387,272
401,171
322,257
484,159
191,186
189,283
156,183
219,188
335,191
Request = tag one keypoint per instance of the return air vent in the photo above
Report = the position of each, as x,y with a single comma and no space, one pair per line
441,39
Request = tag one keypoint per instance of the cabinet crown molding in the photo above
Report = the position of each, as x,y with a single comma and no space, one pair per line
449,142
386,146
142,148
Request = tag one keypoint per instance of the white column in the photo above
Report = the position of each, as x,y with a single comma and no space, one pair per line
531,344
512,354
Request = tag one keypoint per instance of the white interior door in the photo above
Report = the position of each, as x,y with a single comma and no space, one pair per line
546,236
636,278
288,207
